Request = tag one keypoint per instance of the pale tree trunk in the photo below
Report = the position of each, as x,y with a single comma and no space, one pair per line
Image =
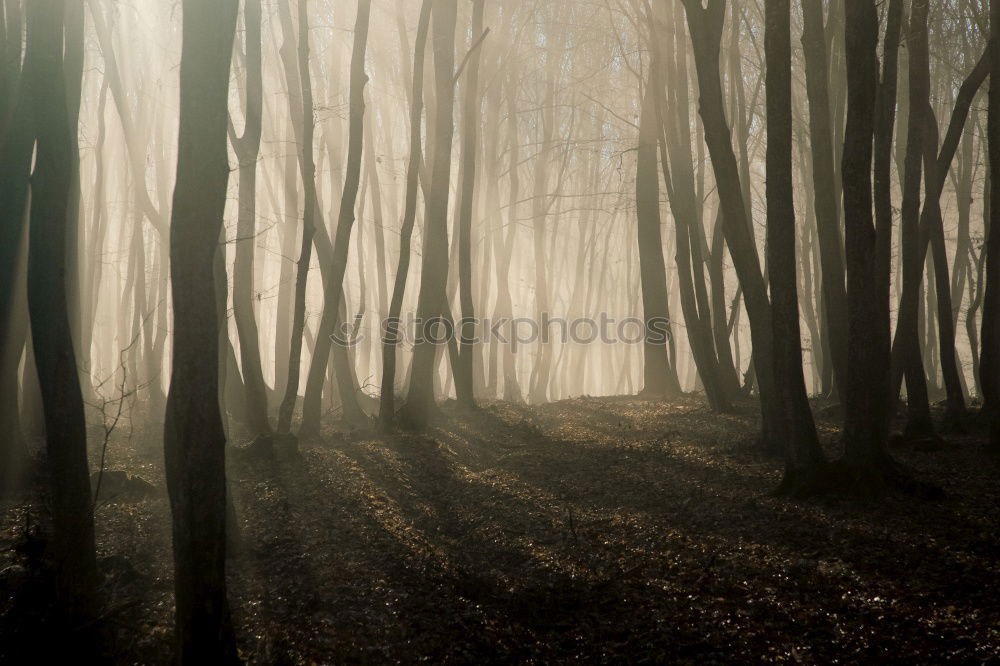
659,378
870,113
334,280
247,149
432,303
307,166
464,384
387,404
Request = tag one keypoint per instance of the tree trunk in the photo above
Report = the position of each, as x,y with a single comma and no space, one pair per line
247,149
307,166
464,386
387,406
989,363
657,375
44,92
824,188
194,441
706,32
334,281
906,344
431,302
803,456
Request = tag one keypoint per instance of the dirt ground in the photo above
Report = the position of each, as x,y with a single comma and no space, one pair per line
613,529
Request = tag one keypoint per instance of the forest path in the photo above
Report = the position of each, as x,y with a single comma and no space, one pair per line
592,529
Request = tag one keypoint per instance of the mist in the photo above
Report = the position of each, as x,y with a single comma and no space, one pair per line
514,331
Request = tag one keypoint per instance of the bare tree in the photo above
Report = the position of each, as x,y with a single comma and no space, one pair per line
194,440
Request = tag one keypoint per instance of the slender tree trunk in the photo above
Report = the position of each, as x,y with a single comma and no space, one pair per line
334,282
464,386
387,407
247,148
706,32
307,166
16,146
906,345
824,188
432,304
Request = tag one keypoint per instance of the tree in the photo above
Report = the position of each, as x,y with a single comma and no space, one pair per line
334,282
989,363
824,187
247,149
431,302
387,404
796,429
705,24
43,111
659,378
870,110
194,440
906,344
470,137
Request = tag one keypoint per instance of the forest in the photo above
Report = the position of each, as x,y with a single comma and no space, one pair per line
499,331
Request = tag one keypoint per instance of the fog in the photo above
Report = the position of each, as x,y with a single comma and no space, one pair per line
430,208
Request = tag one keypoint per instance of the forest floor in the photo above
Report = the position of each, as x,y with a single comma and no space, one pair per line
612,529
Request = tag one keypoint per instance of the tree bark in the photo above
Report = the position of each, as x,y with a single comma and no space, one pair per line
194,440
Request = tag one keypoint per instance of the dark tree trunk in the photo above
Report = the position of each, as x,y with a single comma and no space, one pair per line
803,456
194,441
706,33
869,117
44,93
16,145
906,352
679,180
989,363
